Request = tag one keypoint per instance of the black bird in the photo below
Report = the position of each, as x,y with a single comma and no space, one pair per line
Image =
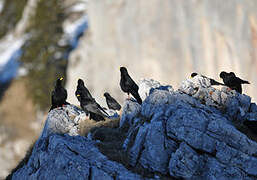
81,89
89,105
212,81
59,95
111,102
233,82
128,85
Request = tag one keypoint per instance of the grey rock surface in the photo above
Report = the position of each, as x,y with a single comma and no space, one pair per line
189,134
173,134
60,154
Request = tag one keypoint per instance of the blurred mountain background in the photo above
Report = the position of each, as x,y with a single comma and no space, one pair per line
90,39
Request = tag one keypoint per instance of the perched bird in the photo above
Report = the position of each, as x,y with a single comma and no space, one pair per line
81,89
233,82
128,85
111,102
89,105
59,95
212,81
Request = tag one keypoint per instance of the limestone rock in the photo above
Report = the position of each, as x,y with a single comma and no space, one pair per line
180,135
172,135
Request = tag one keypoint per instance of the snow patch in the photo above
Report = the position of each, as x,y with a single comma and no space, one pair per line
10,51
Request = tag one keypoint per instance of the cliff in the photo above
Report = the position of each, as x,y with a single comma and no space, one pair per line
195,132
166,41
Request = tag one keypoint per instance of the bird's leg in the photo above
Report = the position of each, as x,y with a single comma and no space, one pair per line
128,97
229,89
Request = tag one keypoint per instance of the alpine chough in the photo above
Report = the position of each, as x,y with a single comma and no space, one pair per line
111,102
212,81
233,82
59,95
128,85
89,105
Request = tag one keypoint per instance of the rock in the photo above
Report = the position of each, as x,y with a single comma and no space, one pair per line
172,135
63,120
155,156
57,155
185,162
130,110
180,135
253,107
147,85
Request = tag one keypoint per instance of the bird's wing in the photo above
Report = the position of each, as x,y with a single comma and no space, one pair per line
131,83
241,81
93,107
213,82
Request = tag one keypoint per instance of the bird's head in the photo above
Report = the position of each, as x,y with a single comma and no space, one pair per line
59,81
80,82
193,74
123,70
232,74
106,94
223,74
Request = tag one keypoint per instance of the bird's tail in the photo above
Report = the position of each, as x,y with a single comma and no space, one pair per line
213,82
66,103
136,95
244,82
52,107
102,109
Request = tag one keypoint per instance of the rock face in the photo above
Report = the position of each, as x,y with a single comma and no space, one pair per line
173,134
189,35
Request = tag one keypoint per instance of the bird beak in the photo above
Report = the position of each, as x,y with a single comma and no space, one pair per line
78,95
61,78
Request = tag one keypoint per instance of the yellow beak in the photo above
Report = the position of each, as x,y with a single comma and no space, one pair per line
78,95
61,78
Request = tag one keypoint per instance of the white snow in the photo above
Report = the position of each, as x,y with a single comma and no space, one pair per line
70,29
8,46
73,30
79,7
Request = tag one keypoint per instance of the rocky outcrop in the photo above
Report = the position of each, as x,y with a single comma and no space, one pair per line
173,134
188,35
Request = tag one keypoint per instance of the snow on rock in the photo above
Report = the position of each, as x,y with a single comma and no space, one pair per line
146,85
175,134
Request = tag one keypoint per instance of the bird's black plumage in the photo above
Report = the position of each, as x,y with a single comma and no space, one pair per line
212,81
128,85
232,81
82,90
89,105
59,95
111,102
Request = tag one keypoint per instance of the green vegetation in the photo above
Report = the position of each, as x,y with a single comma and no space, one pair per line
40,51
10,15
